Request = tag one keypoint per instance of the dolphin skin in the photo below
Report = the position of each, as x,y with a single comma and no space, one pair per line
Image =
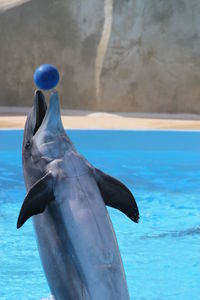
67,198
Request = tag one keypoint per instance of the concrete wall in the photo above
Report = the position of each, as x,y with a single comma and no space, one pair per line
113,55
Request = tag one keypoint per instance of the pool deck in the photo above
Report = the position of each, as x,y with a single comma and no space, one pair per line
15,118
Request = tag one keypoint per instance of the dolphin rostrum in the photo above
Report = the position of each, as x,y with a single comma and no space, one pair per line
67,198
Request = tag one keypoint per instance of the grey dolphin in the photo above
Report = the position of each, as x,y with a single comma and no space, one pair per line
67,198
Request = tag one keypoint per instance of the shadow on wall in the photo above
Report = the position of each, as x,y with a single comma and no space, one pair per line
112,55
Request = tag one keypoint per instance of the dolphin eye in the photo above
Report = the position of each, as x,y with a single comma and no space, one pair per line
27,146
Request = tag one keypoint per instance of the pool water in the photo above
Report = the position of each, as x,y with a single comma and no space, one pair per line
161,254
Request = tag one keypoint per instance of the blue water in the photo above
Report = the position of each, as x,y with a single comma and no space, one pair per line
161,254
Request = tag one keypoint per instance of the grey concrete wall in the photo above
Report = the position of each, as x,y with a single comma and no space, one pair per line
63,33
113,55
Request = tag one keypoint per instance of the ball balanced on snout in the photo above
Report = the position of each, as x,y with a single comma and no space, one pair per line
46,77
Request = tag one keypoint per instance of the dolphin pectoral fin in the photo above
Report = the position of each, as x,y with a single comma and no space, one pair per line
117,195
40,194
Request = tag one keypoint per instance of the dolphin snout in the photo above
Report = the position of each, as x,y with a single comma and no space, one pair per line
40,109
52,122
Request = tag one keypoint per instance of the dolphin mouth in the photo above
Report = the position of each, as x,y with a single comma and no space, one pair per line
40,107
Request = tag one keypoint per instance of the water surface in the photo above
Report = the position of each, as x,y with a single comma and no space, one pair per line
161,254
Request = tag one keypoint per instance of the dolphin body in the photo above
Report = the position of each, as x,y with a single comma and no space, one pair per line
67,198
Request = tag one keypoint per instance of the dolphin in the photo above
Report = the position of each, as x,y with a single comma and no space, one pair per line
67,198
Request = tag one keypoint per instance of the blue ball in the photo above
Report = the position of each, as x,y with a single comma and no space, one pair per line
46,77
